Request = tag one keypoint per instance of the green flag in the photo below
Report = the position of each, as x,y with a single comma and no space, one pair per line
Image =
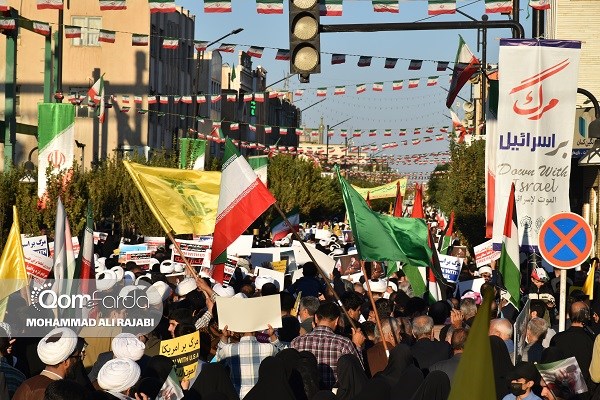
233,72
381,237
474,377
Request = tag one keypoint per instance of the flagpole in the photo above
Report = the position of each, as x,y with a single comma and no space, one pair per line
377,320
325,278
189,267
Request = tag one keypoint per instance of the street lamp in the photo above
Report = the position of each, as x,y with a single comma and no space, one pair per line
327,138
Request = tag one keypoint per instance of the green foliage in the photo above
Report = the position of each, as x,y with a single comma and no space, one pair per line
461,188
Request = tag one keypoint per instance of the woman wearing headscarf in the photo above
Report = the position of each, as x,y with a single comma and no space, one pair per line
272,382
351,377
436,386
291,360
376,388
309,370
502,365
212,380
402,374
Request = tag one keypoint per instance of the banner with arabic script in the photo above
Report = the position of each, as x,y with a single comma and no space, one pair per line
536,114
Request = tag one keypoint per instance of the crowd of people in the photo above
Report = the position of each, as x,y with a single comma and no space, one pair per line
335,341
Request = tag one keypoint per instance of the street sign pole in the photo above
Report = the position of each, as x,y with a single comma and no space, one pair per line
563,300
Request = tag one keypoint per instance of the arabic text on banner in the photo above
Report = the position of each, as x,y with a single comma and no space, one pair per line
533,145
184,351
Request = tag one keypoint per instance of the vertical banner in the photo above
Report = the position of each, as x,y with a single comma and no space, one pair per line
536,116
192,153
56,138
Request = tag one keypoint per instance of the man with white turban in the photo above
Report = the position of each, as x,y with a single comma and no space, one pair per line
124,345
118,376
59,352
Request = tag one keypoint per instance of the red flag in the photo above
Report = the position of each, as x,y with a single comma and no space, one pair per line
417,210
398,203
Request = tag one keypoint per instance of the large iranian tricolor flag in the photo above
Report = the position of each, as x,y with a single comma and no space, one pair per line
56,137
243,198
260,166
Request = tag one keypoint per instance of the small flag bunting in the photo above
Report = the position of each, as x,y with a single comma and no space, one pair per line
390,63
338,59
269,6
330,8
226,48
389,6
442,66
255,51
282,55
415,65
140,40
217,6
364,61
107,36
397,85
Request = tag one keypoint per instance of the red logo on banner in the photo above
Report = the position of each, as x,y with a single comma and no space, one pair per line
56,159
535,110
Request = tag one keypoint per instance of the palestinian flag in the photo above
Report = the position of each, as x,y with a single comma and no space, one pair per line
330,8
378,87
200,45
72,32
139,40
43,28
106,36
361,88
162,6
446,240
415,65
338,59
255,51
364,61
413,83
465,66
437,7
508,265
397,85
495,6
269,6
539,4
432,80
106,5
243,198
49,4
217,6
96,94
170,43
390,63
340,90
390,6
282,55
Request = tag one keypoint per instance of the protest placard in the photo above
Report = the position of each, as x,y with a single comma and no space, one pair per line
76,247
154,242
279,266
464,286
347,264
348,236
520,331
124,248
184,351
141,258
450,266
196,252
229,269
39,244
325,262
485,253
249,315
242,246
38,265
277,276
563,377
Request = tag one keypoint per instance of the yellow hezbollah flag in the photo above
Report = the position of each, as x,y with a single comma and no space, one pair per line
588,285
383,191
13,275
183,201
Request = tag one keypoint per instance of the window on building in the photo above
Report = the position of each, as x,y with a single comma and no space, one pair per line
90,30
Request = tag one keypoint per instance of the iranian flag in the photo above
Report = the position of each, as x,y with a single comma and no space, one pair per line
72,32
4,5
458,127
372,132
170,43
344,133
259,97
162,6
192,154
465,65
279,229
186,99
260,165
361,88
508,265
364,61
437,7
321,92
390,6
387,132
64,256
215,98
234,126
243,198
378,87
43,28
413,83
357,133
200,45
255,51
226,48
218,6
106,36
56,136
137,99
282,55
106,5
397,85
338,59
539,4
84,268
96,95
495,6
390,63
232,98
330,133
49,4
269,6
432,80
330,8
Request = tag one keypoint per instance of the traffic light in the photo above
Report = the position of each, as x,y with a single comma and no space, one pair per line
305,47
252,108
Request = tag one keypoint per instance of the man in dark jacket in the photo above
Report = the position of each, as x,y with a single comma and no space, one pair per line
426,350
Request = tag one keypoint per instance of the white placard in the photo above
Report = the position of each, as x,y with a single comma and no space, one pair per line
325,262
485,253
276,275
39,244
450,266
249,315
241,247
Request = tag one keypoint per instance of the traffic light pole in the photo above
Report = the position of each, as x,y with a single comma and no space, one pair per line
518,31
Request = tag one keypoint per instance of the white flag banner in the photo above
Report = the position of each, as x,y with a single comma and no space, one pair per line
536,117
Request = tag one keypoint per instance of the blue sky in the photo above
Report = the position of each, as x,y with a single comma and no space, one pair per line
408,108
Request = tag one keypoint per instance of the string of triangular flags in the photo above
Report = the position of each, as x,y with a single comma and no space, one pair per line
329,8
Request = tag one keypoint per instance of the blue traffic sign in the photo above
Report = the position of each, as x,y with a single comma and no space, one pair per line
565,240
